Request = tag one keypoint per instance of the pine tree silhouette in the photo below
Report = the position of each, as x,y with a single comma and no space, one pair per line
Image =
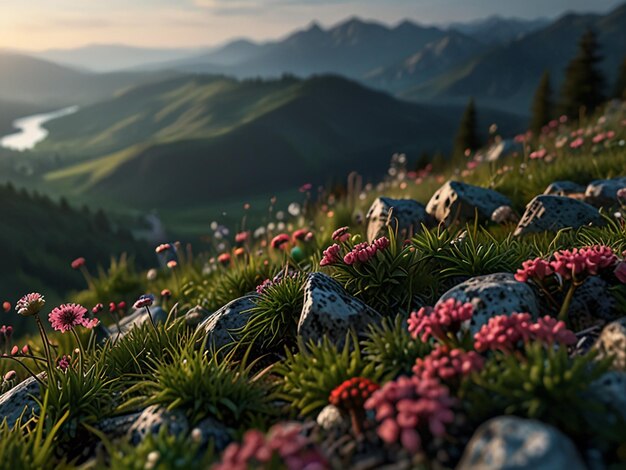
467,136
541,109
620,85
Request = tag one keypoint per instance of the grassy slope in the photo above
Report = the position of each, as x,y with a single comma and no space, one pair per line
225,138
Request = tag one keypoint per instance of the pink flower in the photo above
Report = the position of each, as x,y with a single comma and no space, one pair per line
507,333
537,269
577,143
63,363
67,316
300,234
172,264
30,304
446,364
361,253
620,272
381,243
411,409
97,309
584,261
331,255
10,375
145,300
6,306
224,259
78,263
242,237
305,187
598,138
538,154
446,317
341,234
163,248
284,447
621,195
166,293
280,241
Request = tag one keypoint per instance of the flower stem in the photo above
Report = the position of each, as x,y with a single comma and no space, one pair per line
563,313
82,352
46,347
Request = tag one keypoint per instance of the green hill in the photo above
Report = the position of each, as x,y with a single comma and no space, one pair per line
226,138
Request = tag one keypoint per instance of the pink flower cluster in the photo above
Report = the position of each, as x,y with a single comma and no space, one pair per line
505,333
569,264
331,255
410,408
363,252
341,234
67,316
284,441
446,317
446,364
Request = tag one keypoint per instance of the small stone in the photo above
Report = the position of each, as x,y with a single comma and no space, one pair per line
508,443
612,342
404,215
459,203
210,431
504,215
220,327
329,311
494,294
553,213
150,421
137,318
603,193
610,389
332,420
564,188
196,315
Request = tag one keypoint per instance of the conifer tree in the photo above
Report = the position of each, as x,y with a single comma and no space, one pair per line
620,85
542,105
583,86
467,136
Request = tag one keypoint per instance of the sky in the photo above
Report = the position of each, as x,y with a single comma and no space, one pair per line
44,24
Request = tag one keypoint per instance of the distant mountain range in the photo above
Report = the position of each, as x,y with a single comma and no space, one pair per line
233,139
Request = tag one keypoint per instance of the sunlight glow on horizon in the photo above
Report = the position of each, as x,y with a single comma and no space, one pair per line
43,24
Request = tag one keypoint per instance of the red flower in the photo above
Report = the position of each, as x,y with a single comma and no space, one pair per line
6,306
446,364
224,259
279,241
145,300
163,248
242,237
300,234
78,263
166,293
330,255
533,269
620,272
172,264
97,309
352,393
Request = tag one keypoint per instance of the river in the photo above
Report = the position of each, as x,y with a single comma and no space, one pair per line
30,130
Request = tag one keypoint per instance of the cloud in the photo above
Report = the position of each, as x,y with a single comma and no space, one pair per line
247,7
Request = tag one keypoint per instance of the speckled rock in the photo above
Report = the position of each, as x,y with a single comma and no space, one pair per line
117,426
332,420
552,213
210,431
329,311
150,421
220,327
592,302
457,202
612,342
610,389
196,315
603,193
494,294
564,188
404,215
137,318
508,443
20,400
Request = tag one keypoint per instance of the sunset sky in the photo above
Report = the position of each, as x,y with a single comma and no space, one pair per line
43,24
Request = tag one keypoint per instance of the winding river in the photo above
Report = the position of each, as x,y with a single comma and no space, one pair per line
30,130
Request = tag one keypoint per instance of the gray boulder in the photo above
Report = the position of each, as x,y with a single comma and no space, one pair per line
329,311
603,193
553,213
508,443
591,302
137,318
19,401
404,215
457,202
564,188
612,342
610,389
210,431
150,421
220,327
494,294
118,426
